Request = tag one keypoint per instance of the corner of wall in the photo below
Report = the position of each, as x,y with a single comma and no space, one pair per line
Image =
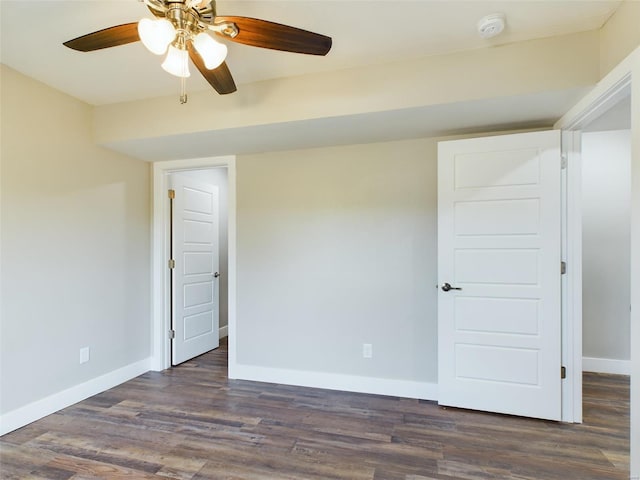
46,406
619,36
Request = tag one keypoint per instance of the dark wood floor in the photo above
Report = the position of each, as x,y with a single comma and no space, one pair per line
191,422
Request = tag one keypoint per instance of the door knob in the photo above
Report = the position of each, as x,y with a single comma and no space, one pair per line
446,287
216,275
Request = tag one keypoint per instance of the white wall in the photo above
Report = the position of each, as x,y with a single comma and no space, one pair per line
75,248
218,177
606,197
336,248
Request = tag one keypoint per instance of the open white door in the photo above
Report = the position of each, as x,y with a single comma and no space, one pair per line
499,249
195,286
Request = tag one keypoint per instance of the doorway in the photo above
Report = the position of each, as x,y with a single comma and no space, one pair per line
606,232
606,329
599,108
199,261
161,308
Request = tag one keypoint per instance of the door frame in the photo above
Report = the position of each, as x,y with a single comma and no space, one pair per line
572,238
160,311
604,95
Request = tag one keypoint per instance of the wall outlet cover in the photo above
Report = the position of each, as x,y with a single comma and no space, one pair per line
84,355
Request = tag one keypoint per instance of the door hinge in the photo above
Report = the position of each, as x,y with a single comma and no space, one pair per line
172,194
563,372
172,263
172,334
563,161
563,268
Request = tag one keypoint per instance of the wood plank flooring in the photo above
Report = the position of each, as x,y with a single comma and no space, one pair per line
192,423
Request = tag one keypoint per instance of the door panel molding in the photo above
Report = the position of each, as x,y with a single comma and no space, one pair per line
499,243
196,255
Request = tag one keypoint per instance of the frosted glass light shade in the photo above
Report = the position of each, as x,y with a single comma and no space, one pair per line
156,35
212,52
177,62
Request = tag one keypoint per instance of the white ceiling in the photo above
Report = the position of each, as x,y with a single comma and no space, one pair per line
364,32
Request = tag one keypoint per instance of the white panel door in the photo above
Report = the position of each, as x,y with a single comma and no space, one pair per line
499,335
195,315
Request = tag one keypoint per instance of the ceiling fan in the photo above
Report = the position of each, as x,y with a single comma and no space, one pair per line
181,28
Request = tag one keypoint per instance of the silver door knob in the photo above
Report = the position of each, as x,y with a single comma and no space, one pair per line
216,275
446,287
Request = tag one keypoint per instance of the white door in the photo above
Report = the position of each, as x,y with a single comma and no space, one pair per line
195,286
499,220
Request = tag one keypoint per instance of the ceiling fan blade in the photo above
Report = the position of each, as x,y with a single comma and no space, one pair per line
219,78
261,33
108,37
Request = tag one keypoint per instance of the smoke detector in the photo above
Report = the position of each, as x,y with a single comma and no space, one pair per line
491,25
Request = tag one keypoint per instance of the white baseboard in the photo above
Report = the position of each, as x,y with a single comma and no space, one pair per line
41,408
223,331
606,365
332,381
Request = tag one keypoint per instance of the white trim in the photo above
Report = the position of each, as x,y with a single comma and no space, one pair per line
606,365
572,280
604,95
607,89
161,357
346,383
46,406
600,104
223,331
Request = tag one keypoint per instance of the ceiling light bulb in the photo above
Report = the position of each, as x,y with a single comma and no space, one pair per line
177,62
212,52
156,35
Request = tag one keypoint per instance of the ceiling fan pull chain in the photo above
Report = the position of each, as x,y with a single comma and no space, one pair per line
183,90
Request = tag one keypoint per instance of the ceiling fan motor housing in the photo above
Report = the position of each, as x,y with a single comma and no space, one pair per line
185,20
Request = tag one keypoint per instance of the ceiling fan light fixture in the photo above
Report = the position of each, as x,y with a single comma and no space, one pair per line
174,30
213,53
156,35
177,62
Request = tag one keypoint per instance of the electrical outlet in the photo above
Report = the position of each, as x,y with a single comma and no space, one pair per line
84,355
367,350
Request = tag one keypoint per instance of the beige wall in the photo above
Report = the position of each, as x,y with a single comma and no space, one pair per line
336,248
543,65
620,35
74,247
